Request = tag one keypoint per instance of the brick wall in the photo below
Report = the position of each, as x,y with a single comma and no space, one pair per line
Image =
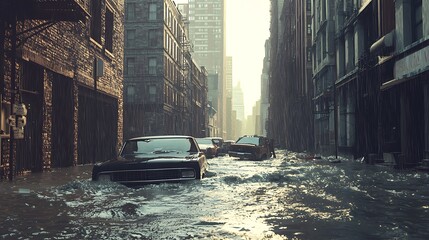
67,49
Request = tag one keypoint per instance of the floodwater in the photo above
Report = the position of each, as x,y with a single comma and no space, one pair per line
282,198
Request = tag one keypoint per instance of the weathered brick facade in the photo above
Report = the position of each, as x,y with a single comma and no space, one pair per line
158,88
73,123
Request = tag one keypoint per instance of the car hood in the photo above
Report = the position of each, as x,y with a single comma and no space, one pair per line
149,158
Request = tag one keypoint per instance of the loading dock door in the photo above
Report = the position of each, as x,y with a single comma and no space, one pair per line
97,126
62,121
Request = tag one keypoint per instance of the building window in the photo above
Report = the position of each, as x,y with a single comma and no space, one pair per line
131,37
323,10
152,66
152,93
96,20
308,5
130,13
131,94
324,43
109,30
309,54
153,41
130,66
152,11
417,20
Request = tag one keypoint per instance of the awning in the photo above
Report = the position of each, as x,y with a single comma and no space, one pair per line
395,82
53,10
364,6
383,42
391,83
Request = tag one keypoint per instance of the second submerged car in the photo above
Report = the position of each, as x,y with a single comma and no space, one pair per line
251,147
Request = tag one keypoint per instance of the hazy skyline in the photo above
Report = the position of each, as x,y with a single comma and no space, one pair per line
247,28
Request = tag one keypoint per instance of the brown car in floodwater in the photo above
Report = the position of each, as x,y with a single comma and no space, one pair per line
251,147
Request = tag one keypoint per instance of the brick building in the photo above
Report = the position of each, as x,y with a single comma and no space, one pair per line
159,71
50,51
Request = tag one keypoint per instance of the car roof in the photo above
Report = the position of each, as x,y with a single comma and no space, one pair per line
254,136
161,137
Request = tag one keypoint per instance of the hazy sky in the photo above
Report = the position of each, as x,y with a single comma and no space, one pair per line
247,28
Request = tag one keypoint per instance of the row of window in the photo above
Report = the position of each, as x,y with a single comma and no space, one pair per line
96,24
153,37
149,95
130,11
194,13
197,94
170,20
172,96
206,23
216,44
132,70
348,46
172,23
150,91
172,47
212,30
204,5
172,71
207,18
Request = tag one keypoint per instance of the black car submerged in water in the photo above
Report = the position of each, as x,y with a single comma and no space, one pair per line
154,159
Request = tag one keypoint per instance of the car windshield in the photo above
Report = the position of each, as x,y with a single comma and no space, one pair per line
158,146
204,141
248,140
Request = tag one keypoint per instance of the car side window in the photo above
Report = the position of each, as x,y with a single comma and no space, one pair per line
193,147
130,147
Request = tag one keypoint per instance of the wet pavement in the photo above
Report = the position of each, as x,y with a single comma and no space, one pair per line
282,198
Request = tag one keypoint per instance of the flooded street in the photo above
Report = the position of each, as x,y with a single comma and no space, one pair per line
282,198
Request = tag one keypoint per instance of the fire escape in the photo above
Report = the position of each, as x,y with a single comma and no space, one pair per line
186,107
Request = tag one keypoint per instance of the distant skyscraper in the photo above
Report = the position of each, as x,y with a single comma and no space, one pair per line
228,88
238,102
207,34
228,74
265,102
